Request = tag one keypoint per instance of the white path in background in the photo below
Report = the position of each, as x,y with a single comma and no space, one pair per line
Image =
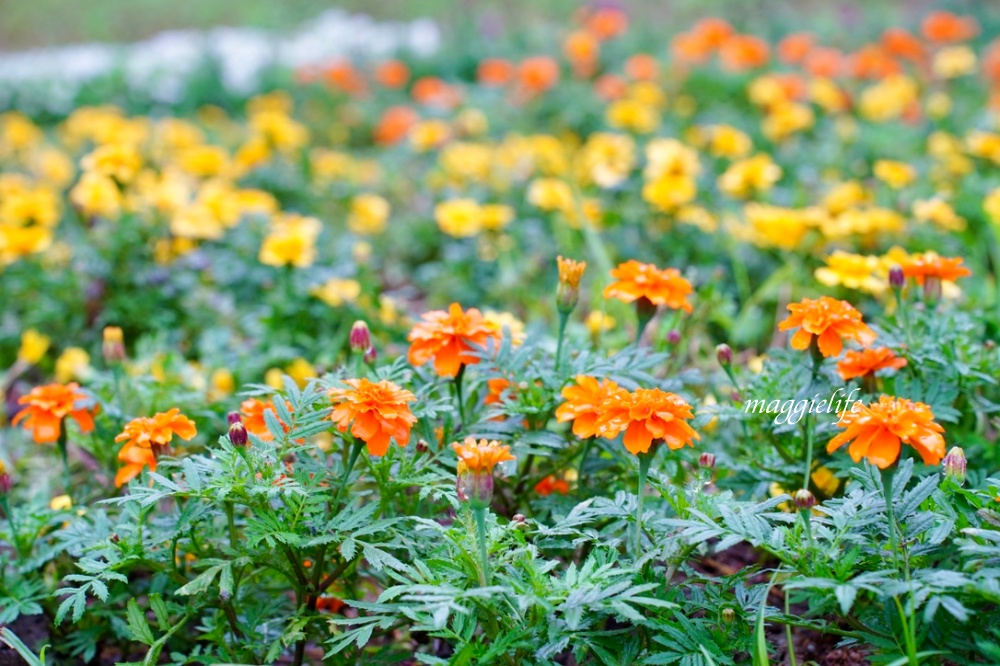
161,66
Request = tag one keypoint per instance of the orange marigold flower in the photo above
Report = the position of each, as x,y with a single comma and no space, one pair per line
394,124
47,406
538,73
635,280
253,410
494,72
496,387
794,48
375,411
868,361
610,87
570,271
480,457
607,22
944,26
450,338
329,605
930,265
875,431
714,31
742,52
392,74
903,44
832,321
584,402
552,484
148,437
642,67
647,415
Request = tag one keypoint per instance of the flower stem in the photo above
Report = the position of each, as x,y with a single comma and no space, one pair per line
231,519
63,451
355,452
563,319
645,459
484,563
458,394
808,436
887,475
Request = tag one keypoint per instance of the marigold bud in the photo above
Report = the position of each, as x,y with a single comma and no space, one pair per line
360,338
568,291
674,337
954,465
370,355
803,499
706,460
5,482
237,431
728,615
518,518
897,279
113,345
422,446
724,354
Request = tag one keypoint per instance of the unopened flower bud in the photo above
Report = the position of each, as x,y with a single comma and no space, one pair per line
706,460
422,446
674,337
932,289
237,431
370,355
5,481
803,499
728,615
518,518
360,338
113,345
954,465
897,279
568,291
724,354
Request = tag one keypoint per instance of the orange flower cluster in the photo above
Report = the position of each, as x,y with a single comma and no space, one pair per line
450,338
147,437
480,457
552,484
831,320
862,363
929,265
645,415
375,412
252,410
47,406
877,431
635,280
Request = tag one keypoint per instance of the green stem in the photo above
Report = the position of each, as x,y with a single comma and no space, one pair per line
355,452
64,452
808,435
789,638
231,519
14,535
458,394
645,460
484,563
887,475
563,319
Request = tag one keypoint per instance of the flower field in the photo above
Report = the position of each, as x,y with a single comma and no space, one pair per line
622,350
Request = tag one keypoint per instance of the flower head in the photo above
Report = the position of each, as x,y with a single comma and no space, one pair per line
635,280
146,438
450,337
568,291
832,321
375,411
552,484
876,431
584,402
930,265
252,410
47,406
868,361
647,415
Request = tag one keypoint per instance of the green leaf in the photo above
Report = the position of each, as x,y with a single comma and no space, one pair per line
137,624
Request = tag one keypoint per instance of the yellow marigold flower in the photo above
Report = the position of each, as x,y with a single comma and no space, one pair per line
368,215
461,218
73,363
336,292
549,154
33,346
330,165
776,226
291,241
570,271
550,194
863,222
649,93
361,251
97,196
482,456
939,105
204,161
120,161
221,384
429,134
279,130
954,61
61,503
598,322
939,212
984,145
273,378
472,122
606,159
633,115
496,216
30,205
845,195
828,95
896,175
853,271
670,157
17,132
669,191
728,142
888,99
786,119
52,166
825,481
301,371
467,161
744,178
505,320
698,216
